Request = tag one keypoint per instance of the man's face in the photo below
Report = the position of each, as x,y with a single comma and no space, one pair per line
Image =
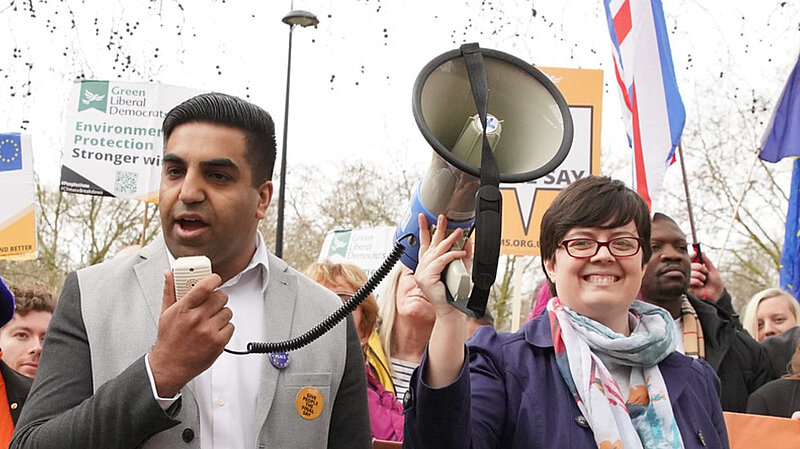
669,269
207,201
21,341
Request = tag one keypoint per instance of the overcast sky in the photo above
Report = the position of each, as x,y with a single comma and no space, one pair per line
352,76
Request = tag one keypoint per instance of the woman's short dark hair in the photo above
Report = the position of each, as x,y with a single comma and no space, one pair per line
597,202
227,110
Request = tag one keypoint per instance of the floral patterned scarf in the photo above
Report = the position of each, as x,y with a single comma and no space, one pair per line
646,419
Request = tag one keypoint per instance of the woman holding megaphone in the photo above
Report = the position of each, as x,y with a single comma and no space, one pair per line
598,369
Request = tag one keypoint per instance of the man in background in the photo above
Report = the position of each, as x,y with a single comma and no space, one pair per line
705,330
21,339
14,387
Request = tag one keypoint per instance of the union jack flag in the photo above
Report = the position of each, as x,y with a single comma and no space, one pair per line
651,104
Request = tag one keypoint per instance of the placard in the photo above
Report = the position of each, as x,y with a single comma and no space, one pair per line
17,187
113,140
366,248
524,204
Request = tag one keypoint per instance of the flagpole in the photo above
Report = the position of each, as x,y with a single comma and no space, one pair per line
688,198
736,210
144,225
516,311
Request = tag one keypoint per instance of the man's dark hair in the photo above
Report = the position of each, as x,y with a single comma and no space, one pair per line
658,216
595,201
227,110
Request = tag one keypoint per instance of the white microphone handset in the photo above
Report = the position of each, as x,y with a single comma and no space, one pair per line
188,271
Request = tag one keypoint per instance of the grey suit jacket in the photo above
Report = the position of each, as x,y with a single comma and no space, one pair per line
92,388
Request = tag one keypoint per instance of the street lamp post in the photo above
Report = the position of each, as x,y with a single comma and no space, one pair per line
303,19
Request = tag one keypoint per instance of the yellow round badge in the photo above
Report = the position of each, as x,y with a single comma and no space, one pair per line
309,403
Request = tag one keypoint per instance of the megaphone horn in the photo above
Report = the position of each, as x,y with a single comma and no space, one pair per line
467,99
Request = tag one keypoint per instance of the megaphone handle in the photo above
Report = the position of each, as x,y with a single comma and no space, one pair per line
457,280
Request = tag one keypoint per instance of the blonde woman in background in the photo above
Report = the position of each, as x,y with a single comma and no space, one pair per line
406,322
770,312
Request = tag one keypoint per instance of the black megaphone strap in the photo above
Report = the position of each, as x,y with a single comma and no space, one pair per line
488,207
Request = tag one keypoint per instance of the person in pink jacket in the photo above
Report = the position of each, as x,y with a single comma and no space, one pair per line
385,412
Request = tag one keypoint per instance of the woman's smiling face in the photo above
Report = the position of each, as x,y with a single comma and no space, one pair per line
600,287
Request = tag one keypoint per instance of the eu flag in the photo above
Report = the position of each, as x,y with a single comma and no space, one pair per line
782,137
10,152
790,266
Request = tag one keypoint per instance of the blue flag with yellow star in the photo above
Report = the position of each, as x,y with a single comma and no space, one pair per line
10,152
790,265
17,196
782,139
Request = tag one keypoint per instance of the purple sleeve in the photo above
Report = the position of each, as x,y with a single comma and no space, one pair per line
469,413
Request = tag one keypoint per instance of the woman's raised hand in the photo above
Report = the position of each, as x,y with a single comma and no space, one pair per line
434,256
446,346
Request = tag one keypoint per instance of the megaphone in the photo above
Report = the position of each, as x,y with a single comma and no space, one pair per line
461,106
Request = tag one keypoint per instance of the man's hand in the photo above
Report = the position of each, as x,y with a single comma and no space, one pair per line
705,283
192,333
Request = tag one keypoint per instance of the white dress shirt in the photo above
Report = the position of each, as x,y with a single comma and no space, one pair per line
227,392
679,346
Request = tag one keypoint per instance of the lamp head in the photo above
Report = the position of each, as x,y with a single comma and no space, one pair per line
300,17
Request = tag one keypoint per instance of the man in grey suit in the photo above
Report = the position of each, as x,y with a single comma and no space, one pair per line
126,364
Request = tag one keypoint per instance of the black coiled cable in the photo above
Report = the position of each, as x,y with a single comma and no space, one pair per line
328,323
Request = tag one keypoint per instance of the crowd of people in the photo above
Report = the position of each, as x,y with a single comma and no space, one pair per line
630,342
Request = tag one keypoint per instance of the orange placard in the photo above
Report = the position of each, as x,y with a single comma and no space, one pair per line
18,235
756,431
524,204
521,224
582,88
18,193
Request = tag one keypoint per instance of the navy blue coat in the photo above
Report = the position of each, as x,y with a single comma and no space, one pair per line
513,396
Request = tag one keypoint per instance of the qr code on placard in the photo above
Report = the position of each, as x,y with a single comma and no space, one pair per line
126,182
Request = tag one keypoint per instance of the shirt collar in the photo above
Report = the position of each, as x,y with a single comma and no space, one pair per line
259,261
